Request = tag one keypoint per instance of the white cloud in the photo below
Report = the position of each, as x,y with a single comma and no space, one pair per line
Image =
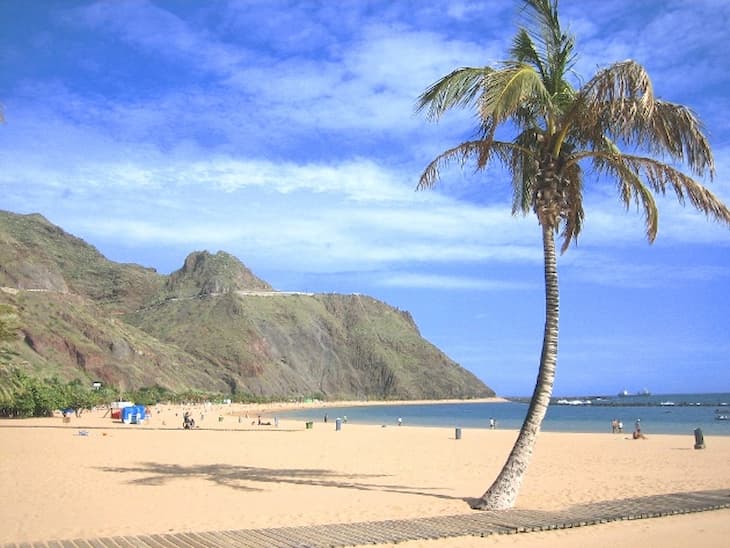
162,34
639,269
434,281
315,152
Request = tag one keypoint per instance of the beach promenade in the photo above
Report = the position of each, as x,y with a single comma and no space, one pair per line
233,482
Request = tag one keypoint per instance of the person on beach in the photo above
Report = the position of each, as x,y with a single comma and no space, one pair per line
400,421
492,423
638,434
620,426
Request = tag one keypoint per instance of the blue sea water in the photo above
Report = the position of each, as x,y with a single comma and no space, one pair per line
689,411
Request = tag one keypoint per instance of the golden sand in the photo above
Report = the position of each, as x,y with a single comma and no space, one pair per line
94,477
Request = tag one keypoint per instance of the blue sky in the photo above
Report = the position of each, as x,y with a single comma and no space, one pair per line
284,132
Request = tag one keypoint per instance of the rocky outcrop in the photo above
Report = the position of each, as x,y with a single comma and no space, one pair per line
207,274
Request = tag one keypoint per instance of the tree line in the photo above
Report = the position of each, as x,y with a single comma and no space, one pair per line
22,395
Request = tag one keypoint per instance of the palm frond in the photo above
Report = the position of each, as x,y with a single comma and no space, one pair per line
659,128
510,89
524,168
573,214
661,176
543,22
460,153
458,88
524,51
480,150
631,188
621,81
629,170
556,48
676,130
614,99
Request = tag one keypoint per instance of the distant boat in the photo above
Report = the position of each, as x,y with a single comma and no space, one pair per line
722,417
667,403
625,393
574,402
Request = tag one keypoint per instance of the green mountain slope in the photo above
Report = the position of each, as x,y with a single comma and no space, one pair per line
342,346
35,254
212,325
68,336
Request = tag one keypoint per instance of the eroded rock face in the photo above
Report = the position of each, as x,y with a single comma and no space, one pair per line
120,349
28,275
64,351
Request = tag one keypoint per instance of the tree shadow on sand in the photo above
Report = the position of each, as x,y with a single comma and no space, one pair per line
246,477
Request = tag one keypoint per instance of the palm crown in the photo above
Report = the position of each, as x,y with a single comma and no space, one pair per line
559,128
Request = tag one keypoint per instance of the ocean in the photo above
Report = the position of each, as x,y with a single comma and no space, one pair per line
659,414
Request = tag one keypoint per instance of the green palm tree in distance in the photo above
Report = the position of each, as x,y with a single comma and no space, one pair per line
612,125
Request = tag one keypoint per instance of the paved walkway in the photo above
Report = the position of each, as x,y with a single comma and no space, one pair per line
393,531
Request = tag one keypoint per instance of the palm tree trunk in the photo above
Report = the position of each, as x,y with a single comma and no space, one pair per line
503,492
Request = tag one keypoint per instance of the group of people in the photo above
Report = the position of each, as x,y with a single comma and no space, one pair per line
617,426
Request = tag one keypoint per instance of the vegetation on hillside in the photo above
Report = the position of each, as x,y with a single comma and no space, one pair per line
211,326
22,395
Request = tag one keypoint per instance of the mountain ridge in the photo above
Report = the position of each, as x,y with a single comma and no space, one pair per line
210,325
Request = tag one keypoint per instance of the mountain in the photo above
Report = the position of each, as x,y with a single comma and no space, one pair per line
35,254
206,274
211,325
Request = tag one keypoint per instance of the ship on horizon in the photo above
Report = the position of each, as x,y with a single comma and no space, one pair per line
625,393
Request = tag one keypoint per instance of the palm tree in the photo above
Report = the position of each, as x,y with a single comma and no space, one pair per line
602,126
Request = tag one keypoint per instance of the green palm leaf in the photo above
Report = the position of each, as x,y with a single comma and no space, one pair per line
514,87
458,89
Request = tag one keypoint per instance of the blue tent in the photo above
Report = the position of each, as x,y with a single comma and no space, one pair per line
133,414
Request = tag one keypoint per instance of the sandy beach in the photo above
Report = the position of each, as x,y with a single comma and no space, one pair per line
95,477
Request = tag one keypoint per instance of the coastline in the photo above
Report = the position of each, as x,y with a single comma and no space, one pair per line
270,408
117,479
